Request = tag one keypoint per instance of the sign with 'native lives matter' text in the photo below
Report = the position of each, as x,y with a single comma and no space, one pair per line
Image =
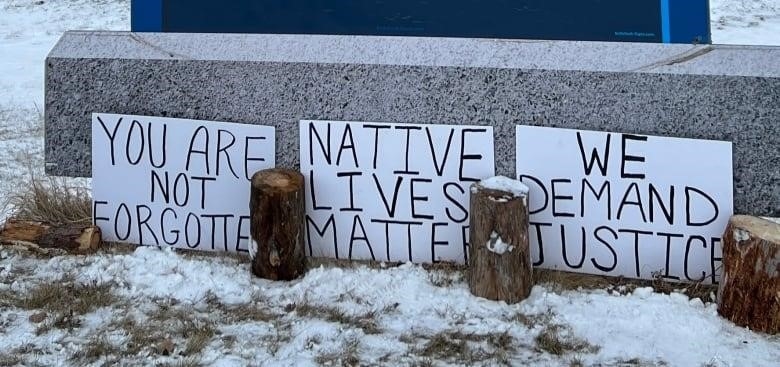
391,192
626,205
176,182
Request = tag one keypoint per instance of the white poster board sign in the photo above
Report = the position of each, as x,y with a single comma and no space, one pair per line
391,192
176,182
626,205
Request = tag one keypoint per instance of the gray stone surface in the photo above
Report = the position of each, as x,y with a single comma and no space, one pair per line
706,92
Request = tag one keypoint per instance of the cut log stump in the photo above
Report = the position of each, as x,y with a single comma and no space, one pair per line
499,257
749,291
69,237
277,224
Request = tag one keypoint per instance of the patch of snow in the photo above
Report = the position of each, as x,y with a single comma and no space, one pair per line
745,22
501,183
497,245
741,235
252,248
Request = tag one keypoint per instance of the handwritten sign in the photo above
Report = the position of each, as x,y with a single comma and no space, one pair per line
391,192
176,182
626,205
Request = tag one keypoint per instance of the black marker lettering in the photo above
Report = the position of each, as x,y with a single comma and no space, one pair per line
667,210
224,149
376,137
439,168
240,237
594,156
163,145
247,158
363,237
630,158
390,209
162,226
614,234
637,203
669,237
202,189
555,198
582,248
605,188
186,199
351,175
142,140
435,242
204,152
415,199
129,222
407,146
312,185
165,191
111,136
95,218
540,185
321,232
347,146
636,234
464,157
187,231
539,240
144,221
689,216
464,212
325,148
688,250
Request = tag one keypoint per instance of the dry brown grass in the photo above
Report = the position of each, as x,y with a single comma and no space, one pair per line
456,346
96,347
347,356
366,322
553,341
66,297
10,359
184,362
51,200
563,281
63,301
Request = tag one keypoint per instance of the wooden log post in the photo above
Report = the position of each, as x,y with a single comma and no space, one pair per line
70,237
277,215
749,291
499,256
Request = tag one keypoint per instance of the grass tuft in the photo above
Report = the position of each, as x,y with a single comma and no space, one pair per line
97,347
552,340
347,356
68,297
51,200
366,322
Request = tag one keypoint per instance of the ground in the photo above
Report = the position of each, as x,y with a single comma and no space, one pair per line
148,306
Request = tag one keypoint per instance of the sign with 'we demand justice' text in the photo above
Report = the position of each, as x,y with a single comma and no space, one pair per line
626,205
176,182
391,192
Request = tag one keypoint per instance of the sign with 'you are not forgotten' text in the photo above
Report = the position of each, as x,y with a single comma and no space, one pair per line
391,192
626,205
176,182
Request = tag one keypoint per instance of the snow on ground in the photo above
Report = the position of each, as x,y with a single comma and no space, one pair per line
394,316
121,307
28,30
745,22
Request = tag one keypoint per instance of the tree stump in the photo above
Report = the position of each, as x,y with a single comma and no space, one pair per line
277,224
70,237
749,292
499,256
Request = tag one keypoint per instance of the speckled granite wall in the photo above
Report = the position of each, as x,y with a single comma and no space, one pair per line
708,92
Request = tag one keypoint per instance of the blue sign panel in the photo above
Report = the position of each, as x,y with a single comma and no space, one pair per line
669,21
